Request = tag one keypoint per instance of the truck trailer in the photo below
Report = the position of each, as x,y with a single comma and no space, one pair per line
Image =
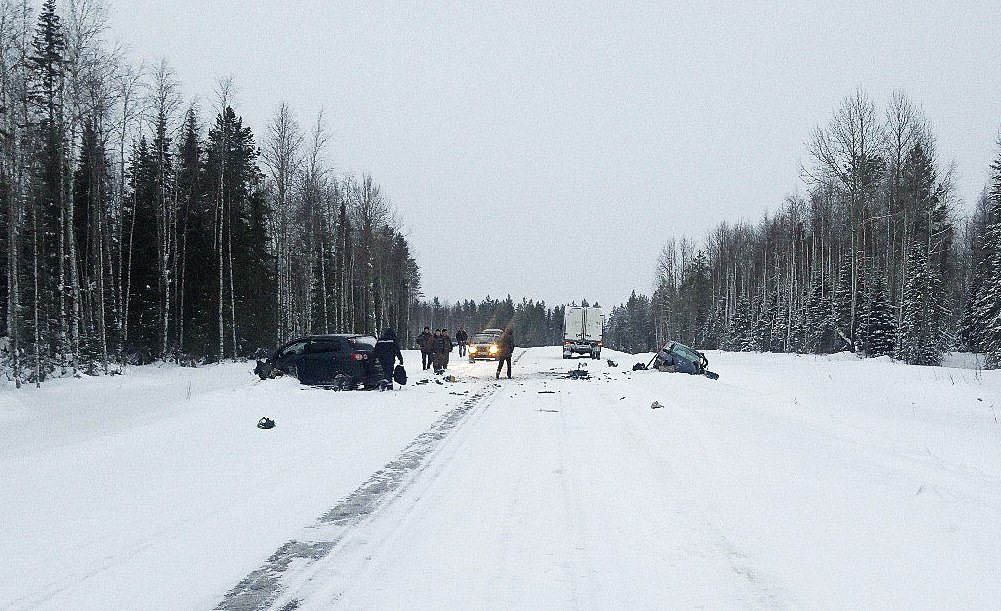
583,331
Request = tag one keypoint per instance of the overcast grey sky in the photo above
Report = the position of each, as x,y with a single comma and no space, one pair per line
570,140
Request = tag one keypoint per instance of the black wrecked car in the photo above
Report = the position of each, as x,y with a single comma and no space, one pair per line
341,361
674,357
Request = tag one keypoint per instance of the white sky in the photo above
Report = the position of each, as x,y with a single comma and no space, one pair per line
570,140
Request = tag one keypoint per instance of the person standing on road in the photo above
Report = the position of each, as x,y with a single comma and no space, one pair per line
437,359
386,351
460,338
425,343
446,343
505,350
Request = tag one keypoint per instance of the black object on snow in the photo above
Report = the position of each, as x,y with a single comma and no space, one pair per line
612,363
263,370
400,375
265,423
639,367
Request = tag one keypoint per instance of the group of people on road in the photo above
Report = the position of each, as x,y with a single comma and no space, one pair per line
436,347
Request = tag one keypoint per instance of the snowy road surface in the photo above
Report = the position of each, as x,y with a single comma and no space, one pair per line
792,482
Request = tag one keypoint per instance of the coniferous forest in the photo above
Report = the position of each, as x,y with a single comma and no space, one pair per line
876,257
136,227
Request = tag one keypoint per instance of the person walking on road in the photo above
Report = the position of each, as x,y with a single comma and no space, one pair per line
425,343
461,337
505,349
386,351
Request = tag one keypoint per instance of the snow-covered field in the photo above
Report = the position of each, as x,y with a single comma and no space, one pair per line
793,481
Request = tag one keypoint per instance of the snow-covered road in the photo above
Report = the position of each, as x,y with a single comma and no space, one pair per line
819,482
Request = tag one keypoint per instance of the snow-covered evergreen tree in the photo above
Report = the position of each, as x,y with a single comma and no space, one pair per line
821,335
877,329
740,333
845,298
922,333
984,320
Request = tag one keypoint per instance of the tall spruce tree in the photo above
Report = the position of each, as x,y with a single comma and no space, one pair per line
985,317
50,324
877,330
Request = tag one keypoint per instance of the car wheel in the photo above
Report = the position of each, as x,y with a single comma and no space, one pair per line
342,382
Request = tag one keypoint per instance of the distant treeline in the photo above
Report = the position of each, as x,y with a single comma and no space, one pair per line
533,322
131,231
874,259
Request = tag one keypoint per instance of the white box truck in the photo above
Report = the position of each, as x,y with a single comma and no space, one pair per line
583,331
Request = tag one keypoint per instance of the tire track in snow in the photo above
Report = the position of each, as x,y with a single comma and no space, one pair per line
264,587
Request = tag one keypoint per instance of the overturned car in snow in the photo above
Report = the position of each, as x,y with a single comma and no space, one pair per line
679,358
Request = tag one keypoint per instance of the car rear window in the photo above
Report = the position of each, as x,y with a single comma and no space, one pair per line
323,345
364,342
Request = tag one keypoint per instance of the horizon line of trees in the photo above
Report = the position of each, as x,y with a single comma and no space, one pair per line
533,322
875,259
135,230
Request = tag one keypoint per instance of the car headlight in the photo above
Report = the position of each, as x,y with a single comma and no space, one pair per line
493,349
472,349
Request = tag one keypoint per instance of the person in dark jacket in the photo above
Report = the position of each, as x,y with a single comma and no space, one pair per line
461,337
447,344
425,343
386,351
505,349
437,355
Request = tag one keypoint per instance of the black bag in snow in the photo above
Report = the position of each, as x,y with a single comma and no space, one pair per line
400,375
265,423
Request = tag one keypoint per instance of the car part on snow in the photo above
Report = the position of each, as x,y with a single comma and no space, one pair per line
579,373
612,363
424,381
655,405
264,370
265,423
640,367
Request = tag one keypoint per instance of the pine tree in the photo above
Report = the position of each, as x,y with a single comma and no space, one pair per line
922,333
741,331
46,214
142,277
987,303
986,308
924,326
877,329
821,334
845,296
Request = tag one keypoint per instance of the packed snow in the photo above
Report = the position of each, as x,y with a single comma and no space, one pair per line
793,481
